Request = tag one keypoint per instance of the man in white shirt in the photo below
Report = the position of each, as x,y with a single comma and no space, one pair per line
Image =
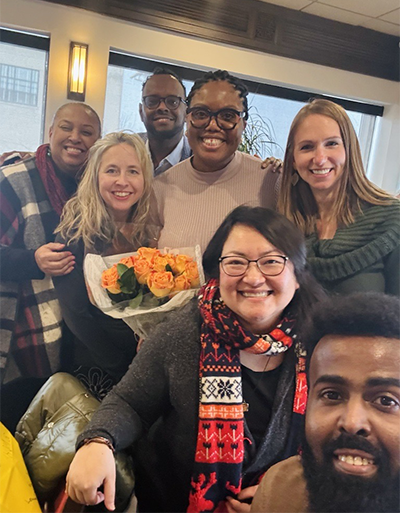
162,111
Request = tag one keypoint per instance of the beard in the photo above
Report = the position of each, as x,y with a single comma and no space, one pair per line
162,135
333,492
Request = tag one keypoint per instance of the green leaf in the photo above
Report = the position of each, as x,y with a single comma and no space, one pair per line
168,268
127,281
151,301
135,302
121,268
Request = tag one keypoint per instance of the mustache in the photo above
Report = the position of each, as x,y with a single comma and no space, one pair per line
357,442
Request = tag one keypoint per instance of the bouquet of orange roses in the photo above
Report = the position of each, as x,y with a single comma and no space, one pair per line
140,288
149,278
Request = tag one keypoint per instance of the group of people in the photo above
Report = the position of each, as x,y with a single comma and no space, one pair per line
218,392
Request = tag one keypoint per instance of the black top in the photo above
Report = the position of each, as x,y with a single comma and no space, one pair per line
100,340
259,391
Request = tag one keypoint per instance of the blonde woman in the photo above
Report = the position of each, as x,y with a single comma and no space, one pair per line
352,226
106,216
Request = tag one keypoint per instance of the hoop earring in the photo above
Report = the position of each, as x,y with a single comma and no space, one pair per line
294,179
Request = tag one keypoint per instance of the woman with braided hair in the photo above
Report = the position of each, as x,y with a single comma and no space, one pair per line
217,393
193,197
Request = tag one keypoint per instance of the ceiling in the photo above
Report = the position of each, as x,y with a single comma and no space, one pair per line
380,15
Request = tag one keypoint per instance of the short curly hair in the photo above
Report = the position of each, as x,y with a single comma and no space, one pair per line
365,314
221,75
160,70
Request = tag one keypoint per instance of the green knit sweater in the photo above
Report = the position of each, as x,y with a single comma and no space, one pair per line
363,256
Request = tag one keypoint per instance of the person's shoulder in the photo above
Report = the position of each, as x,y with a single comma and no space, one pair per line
19,177
18,168
380,214
171,175
253,163
282,489
291,465
183,321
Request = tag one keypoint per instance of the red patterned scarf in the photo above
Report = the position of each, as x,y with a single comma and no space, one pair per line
220,450
54,189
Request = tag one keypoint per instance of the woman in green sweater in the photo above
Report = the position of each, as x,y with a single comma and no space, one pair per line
352,226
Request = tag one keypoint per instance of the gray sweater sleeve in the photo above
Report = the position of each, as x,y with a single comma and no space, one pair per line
144,393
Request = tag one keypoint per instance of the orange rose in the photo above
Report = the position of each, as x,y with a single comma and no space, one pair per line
128,261
109,280
192,274
181,283
142,270
161,261
148,254
160,283
180,263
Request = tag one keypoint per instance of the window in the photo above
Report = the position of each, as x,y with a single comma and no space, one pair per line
22,89
19,85
271,108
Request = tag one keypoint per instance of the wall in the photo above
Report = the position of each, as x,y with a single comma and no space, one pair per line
64,24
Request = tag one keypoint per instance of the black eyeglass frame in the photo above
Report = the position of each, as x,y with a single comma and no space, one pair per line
211,115
163,99
221,261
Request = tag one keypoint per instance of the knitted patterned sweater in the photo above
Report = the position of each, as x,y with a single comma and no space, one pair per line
156,405
363,256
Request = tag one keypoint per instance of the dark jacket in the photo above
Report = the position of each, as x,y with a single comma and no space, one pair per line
100,340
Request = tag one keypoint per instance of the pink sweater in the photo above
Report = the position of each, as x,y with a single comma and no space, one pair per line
191,204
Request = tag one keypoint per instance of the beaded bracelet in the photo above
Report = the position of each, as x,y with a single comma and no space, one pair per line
99,440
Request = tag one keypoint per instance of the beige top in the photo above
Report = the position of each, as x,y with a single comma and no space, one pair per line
282,489
191,205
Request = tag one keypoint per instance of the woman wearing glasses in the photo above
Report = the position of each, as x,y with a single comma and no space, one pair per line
193,197
216,394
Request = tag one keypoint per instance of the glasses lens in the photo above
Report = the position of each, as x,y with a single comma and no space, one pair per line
271,265
200,117
234,266
151,102
227,119
172,102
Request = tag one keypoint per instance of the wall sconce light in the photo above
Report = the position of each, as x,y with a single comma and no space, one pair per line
77,72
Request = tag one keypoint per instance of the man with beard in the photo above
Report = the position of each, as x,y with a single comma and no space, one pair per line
351,451
163,112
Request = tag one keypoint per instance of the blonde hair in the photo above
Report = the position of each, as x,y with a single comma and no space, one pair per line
296,200
85,215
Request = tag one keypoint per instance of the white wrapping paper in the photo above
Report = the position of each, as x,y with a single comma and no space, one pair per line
142,319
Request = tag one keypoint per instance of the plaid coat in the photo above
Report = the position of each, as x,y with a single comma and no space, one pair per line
30,317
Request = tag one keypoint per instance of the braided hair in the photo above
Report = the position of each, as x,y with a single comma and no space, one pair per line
221,75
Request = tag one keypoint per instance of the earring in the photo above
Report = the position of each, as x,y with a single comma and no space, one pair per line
295,178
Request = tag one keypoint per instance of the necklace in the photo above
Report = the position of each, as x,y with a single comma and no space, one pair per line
246,406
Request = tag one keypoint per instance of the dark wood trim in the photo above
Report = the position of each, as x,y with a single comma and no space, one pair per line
129,61
264,27
24,39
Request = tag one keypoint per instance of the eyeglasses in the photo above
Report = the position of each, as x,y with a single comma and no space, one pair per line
226,119
172,102
270,265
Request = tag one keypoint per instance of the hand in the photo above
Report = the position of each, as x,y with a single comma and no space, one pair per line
92,467
272,164
53,261
22,156
237,505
